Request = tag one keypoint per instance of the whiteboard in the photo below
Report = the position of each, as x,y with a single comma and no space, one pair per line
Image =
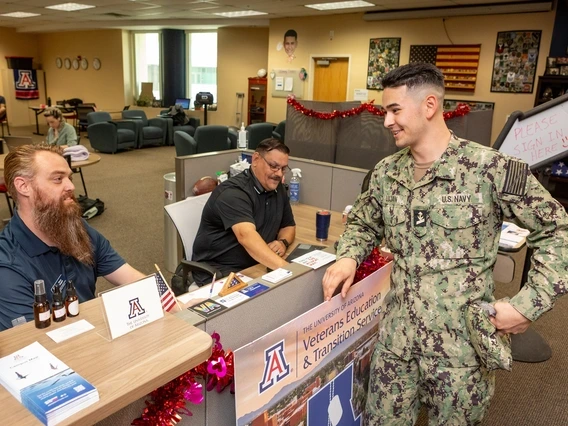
538,136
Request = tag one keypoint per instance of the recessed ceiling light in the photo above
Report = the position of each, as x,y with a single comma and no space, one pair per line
340,5
69,7
20,14
240,13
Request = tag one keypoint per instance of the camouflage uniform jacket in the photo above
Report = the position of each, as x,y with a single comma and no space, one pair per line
444,234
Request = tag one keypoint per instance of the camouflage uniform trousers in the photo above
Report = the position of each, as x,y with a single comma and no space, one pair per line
398,388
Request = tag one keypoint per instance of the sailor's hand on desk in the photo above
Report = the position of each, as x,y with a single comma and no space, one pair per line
508,319
277,247
342,271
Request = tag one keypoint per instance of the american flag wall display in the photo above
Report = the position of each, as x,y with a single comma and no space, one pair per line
458,63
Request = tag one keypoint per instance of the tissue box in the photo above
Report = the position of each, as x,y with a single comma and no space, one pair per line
236,168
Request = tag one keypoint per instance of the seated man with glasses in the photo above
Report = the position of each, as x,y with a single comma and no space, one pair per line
248,218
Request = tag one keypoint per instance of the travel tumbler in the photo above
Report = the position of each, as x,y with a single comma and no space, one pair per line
323,218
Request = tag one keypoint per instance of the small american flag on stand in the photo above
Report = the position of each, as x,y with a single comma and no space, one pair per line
169,302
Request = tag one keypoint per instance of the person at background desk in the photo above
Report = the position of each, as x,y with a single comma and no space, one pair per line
47,238
2,107
60,132
439,203
248,218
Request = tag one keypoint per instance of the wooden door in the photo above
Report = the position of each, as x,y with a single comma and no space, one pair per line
330,80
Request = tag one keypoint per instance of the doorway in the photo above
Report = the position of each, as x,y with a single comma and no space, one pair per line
330,79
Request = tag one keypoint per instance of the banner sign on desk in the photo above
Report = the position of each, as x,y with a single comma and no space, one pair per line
314,370
132,306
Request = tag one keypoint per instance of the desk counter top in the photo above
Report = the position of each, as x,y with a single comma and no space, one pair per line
122,370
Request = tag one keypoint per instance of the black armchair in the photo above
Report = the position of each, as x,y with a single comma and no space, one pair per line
258,132
151,131
279,131
109,136
206,139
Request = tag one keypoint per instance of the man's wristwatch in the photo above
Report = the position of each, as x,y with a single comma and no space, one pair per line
286,243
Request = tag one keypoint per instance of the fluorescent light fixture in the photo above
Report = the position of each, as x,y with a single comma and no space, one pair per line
69,7
20,14
444,12
240,13
340,5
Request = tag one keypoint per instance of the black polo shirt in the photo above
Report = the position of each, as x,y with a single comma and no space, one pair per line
239,199
24,258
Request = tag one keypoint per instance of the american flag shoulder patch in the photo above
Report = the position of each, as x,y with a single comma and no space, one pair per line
516,177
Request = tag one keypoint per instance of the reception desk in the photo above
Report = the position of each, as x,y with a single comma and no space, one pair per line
123,370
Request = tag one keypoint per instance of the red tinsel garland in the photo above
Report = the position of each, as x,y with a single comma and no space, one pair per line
167,403
373,262
461,110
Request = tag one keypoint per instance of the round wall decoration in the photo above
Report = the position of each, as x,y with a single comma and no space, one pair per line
67,63
97,63
58,62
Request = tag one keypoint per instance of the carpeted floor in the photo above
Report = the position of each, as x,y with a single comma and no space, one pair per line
132,186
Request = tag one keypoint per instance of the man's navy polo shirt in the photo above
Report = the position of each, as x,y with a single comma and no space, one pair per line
24,258
239,199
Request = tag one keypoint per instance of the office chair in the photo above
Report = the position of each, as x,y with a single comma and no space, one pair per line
186,216
366,180
4,121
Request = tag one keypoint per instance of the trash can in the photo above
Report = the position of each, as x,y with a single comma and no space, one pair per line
170,232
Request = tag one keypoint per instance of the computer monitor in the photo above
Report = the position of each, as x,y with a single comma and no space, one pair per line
185,103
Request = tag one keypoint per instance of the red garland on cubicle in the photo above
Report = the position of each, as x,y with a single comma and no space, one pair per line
167,403
373,262
461,110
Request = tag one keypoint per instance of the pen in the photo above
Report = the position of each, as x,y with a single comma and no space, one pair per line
212,285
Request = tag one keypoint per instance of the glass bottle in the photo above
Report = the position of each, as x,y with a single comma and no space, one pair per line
71,301
58,307
42,314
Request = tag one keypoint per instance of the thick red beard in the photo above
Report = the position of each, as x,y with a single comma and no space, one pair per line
61,222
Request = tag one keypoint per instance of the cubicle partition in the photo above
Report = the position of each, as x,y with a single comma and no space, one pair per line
361,140
326,185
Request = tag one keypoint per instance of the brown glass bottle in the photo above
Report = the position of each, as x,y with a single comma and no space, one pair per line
42,314
71,301
58,307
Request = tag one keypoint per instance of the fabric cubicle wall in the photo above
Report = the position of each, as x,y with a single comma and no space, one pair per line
362,140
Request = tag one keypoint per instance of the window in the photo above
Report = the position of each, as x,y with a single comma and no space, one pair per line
202,69
147,59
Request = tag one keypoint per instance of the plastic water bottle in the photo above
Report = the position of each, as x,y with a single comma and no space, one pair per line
242,137
295,186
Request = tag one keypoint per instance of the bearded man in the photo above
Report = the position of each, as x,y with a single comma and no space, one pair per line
47,239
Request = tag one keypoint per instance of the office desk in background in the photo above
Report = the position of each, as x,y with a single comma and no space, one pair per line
122,370
39,110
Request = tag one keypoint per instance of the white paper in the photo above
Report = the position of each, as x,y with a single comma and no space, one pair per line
203,293
132,306
232,299
277,275
512,235
289,84
360,94
279,83
315,259
70,330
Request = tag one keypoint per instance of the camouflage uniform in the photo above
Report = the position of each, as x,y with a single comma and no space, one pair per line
444,234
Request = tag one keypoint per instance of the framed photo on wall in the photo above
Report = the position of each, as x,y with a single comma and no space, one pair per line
516,57
384,56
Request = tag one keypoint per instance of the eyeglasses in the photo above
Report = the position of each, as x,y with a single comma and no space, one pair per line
275,167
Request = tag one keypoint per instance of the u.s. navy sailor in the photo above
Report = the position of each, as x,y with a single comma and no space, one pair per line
439,203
